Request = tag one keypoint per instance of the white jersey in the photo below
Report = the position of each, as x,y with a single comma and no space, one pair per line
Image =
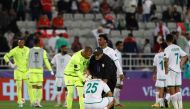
159,64
119,56
112,54
93,90
174,54
60,61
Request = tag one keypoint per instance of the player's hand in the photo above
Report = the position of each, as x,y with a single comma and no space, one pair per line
154,77
12,65
52,73
122,77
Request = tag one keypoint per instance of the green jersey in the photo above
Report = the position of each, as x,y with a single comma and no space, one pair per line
19,56
76,66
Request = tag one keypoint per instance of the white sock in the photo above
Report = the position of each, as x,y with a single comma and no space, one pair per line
59,97
116,95
168,97
157,97
161,102
179,100
174,101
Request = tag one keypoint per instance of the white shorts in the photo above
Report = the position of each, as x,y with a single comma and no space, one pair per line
59,82
99,105
174,78
161,83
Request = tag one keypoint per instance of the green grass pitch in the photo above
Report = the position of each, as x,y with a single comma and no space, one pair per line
51,105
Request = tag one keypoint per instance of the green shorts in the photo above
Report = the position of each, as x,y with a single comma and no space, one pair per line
19,75
36,77
73,81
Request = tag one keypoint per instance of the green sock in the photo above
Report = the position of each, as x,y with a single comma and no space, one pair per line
30,92
69,98
19,91
81,98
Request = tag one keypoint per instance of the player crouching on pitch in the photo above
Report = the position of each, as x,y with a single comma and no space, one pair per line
160,77
93,94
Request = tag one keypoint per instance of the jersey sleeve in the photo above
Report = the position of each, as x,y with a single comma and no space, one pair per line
105,87
77,68
166,53
46,61
9,55
154,61
53,61
182,53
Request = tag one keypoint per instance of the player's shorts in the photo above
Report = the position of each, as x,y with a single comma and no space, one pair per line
73,81
174,78
161,83
98,105
36,77
19,75
59,82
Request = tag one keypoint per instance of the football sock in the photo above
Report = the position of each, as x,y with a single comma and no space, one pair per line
179,100
174,101
19,91
81,98
69,98
30,92
116,95
157,97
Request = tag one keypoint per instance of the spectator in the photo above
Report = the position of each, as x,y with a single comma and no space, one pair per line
36,9
116,5
4,44
186,70
20,9
162,30
9,36
188,4
129,7
182,41
147,46
58,22
130,45
60,42
167,14
176,16
104,7
96,6
187,16
76,45
47,8
63,6
84,6
74,6
131,23
43,22
52,43
108,21
146,10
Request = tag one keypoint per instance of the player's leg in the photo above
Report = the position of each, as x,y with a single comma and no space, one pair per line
177,90
69,82
116,95
156,104
80,89
59,91
18,78
65,102
110,102
161,97
171,87
39,89
112,84
33,82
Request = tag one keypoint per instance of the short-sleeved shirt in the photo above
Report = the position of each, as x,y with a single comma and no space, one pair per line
159,64
174,54
111,53
60,61
76,63
93,90
19,56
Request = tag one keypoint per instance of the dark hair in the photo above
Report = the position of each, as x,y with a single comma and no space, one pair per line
36,41
63,46
169,38
117,43
104,36
163,45
87,48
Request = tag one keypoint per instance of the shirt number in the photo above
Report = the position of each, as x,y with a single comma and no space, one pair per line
177,57
92,88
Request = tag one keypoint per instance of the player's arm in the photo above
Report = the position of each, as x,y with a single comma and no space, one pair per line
184,58
117,63
166,65
8,55
77,68
154,69
46,61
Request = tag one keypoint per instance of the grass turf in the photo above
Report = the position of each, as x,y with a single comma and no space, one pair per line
51,105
